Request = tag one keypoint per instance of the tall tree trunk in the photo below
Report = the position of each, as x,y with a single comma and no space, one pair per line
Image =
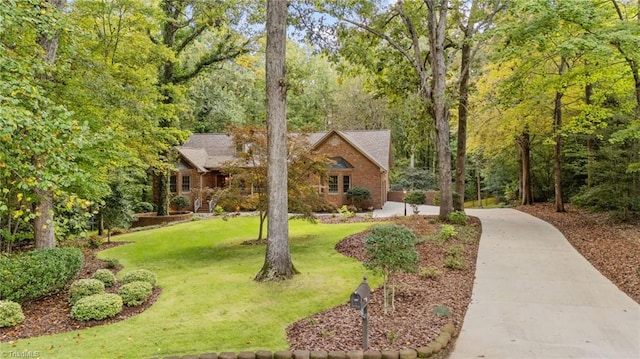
478,183
167,74
463,103
277,263
162,184
437,24
588,93
526,192
557,155
43,229
463,106
633,65
43,223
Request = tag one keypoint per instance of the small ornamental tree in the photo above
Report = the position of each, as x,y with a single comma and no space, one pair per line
248,174
358,195
390,249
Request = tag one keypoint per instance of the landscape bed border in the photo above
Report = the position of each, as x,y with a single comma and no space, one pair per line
447,333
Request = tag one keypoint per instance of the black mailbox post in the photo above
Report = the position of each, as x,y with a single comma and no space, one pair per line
359,299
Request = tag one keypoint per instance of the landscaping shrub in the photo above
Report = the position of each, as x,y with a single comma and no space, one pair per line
391,249
112,263
345,213
135,293
218,210
455,262
83,288
10,313
143,275
105,276
35,274
458,217
180,202
416,178
441,311
430,272
416,197
454,257
447,232
143,207
97,307
455,251
94,242
358,195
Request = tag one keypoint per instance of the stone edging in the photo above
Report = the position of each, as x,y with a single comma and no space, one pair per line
447,332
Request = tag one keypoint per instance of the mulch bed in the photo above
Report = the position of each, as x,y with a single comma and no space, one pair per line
412,323
50,315
614,249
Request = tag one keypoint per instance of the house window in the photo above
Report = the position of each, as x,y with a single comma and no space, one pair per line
186,183
173,184
346,183
340,163
333,184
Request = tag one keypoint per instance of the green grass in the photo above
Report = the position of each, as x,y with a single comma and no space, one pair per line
209,301
491,202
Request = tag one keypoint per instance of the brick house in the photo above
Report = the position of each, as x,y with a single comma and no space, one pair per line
360,159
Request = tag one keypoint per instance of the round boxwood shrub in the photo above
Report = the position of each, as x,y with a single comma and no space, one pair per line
97,307
135,293
415,197
143,207
358,196
83,288
181,203
143,275
105,276
38,273
10,313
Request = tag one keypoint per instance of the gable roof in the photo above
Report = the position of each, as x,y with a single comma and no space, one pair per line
211,150
374,144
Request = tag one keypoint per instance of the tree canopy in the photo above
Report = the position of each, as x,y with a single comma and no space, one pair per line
545,96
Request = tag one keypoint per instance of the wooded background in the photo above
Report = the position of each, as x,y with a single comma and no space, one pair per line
524,100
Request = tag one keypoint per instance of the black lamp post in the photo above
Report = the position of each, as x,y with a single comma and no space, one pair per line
404,195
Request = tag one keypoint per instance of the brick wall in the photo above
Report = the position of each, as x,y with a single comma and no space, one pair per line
398,196
364,173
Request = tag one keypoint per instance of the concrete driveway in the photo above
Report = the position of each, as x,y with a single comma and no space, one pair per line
535,296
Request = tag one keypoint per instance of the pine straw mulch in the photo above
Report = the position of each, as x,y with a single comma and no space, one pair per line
613,248
50,315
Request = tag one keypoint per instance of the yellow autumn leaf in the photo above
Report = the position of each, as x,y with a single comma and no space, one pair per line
19,197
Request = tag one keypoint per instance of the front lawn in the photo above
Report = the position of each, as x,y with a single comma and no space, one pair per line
209,301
